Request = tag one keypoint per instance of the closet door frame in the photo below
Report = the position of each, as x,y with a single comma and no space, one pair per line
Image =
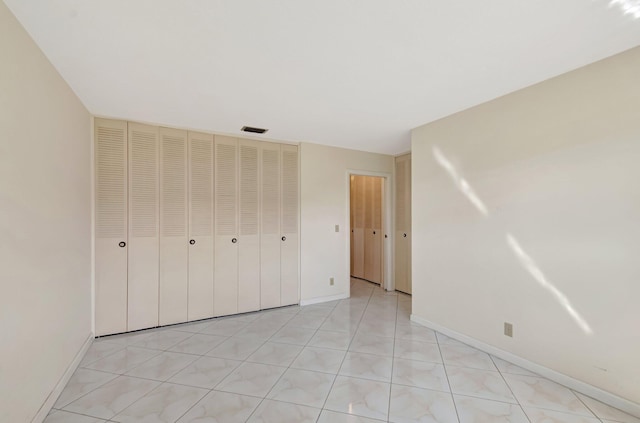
387,226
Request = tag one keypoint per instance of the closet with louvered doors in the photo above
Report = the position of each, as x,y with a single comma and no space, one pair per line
225,286
373,235
174,246
201,224
270,242
110,158
366,195
143,245
191,226
289,258
403,224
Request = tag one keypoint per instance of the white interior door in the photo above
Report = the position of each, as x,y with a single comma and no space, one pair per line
249,226
270,226
225,296
201,252
143,246
369,182
403,217
408,223
174,250
289,283
111,226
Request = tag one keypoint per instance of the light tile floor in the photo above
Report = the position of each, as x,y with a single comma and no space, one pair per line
355,360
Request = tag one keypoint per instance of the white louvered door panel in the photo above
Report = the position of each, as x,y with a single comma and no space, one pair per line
201,252
225,296
401,235
110,138
358,226
143,245
249,227
289,281
270,226
173,226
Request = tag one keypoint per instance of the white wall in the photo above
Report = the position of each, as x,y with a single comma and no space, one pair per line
557,166
324,203
45,228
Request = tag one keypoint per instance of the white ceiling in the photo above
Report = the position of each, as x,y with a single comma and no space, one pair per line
354,73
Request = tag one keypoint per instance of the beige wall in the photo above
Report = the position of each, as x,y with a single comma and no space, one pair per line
556,169
324,198
45,224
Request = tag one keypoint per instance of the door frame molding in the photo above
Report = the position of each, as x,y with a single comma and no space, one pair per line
387,227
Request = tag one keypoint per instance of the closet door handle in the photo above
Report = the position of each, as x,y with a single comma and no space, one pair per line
284,238
405,235
234,240
374,232
192,241
122,244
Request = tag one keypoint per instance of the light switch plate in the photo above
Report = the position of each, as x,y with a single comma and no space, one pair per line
337,228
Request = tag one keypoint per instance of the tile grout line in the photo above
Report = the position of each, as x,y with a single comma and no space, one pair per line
510,390
345,355
446,374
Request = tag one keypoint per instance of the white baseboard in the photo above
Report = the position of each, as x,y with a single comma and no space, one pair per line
319,300
575,384
57,390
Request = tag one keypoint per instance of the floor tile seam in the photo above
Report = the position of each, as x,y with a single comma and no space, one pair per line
165,380
282,375
510,389
446,374
117,375
587,406
571,413
345,356
393,354
158,387
421,387
109,354
85,415
97,387
347,414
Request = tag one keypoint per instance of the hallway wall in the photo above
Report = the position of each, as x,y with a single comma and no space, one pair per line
526,210
45,224
324,193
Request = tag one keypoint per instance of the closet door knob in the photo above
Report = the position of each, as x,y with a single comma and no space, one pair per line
374,232
192,241
234,240
284,238
122,244
405,235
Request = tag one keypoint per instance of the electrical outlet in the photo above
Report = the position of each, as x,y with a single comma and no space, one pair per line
508,329
337,228
331,281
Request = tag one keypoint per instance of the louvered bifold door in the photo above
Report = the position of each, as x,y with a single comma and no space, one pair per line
249,227
201,253
225,295
289,260
270,226
111,226
173,226
358,225
143,245
401,228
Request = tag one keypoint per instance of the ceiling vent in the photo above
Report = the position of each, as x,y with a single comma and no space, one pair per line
254,130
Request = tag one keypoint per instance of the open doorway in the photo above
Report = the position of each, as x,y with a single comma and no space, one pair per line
367,228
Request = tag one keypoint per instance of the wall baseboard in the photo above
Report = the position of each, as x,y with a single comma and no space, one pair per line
57,390
575,384
319,300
